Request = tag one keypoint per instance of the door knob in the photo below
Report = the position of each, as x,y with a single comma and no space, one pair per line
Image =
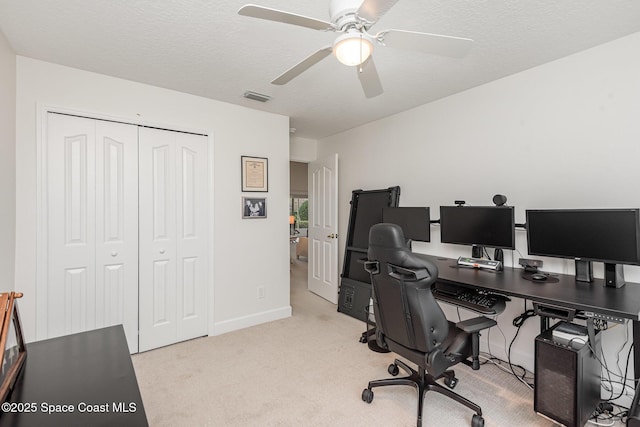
333,236
114,253
161,251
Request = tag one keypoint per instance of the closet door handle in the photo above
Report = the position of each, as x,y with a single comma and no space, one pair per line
161,251
114,253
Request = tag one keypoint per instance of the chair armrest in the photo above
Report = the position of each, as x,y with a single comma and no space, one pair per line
407,274
371,267
473,327
476,324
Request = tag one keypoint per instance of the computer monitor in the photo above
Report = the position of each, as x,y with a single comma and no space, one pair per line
492,226
415,221
611,236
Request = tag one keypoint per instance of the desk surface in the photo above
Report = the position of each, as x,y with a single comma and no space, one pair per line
89,370
621,302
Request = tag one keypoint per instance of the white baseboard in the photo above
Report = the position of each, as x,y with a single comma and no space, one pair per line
238,323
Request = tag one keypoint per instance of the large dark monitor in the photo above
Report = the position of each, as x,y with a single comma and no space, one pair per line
415,221
606,235
492,226
611,236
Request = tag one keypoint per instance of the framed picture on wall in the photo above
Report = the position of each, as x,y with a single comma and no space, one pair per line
255,176
254,207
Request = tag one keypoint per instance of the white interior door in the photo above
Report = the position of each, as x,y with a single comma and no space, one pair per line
323,228
173,237
91,228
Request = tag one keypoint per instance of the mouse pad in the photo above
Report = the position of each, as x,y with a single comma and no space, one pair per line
550,279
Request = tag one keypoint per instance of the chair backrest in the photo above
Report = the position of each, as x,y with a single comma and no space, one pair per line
404,307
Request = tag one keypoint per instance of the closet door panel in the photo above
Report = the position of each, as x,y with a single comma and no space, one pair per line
192,235
173,237
66,302
91,229
157,178
117,228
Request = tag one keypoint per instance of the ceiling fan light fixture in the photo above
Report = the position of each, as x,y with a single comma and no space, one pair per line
353,48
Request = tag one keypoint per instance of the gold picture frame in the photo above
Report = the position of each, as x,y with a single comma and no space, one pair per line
255,174
14,351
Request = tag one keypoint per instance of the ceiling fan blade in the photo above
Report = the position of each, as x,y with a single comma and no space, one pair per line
456,47
302,66
267,13
369,79
372,10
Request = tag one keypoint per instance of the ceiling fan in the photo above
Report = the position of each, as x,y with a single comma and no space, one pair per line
354,46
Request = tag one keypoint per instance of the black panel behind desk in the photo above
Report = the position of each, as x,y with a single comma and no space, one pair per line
355,284
91,367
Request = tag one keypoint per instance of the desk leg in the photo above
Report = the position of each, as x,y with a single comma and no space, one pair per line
544,323
636,351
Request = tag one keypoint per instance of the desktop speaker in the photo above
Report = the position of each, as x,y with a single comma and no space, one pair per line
584,271
567,381
613,275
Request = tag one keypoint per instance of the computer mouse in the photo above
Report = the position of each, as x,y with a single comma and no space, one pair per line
538,277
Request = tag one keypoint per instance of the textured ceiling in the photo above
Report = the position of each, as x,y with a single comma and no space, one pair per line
205,48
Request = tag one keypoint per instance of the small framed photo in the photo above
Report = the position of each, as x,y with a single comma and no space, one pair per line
254,207
255,176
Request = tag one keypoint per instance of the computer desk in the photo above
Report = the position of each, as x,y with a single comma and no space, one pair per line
567,293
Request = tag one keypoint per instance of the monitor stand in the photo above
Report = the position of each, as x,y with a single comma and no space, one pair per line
584,271
477,251
613,275
498,255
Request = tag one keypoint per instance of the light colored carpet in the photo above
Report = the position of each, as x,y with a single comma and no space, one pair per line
308,370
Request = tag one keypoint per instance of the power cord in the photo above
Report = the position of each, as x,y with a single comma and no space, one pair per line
604,413
519,321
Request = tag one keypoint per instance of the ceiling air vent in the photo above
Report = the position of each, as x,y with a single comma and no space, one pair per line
256,96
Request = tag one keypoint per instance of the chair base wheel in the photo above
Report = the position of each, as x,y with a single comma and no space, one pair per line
367,395
477,421
451,382
393,369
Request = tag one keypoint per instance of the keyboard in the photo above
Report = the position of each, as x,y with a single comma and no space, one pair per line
481,302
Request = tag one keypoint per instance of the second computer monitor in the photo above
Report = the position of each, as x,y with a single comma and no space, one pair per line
492,226
607,235
414,221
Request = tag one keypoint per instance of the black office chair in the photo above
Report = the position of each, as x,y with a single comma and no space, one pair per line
410,323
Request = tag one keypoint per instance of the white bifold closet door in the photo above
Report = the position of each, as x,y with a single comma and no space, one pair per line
92,228
173,237
126,232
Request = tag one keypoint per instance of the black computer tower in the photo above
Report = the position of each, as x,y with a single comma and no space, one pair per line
567,380
633,420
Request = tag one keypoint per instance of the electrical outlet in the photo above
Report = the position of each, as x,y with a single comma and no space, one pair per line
260,292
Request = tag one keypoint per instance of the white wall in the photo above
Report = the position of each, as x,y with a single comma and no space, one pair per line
7,164
565,134
246,253
302,149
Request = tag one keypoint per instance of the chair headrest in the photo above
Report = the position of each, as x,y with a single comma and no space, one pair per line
387,235
387,244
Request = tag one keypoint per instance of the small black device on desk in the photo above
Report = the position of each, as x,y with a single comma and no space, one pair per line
481,263
472,299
